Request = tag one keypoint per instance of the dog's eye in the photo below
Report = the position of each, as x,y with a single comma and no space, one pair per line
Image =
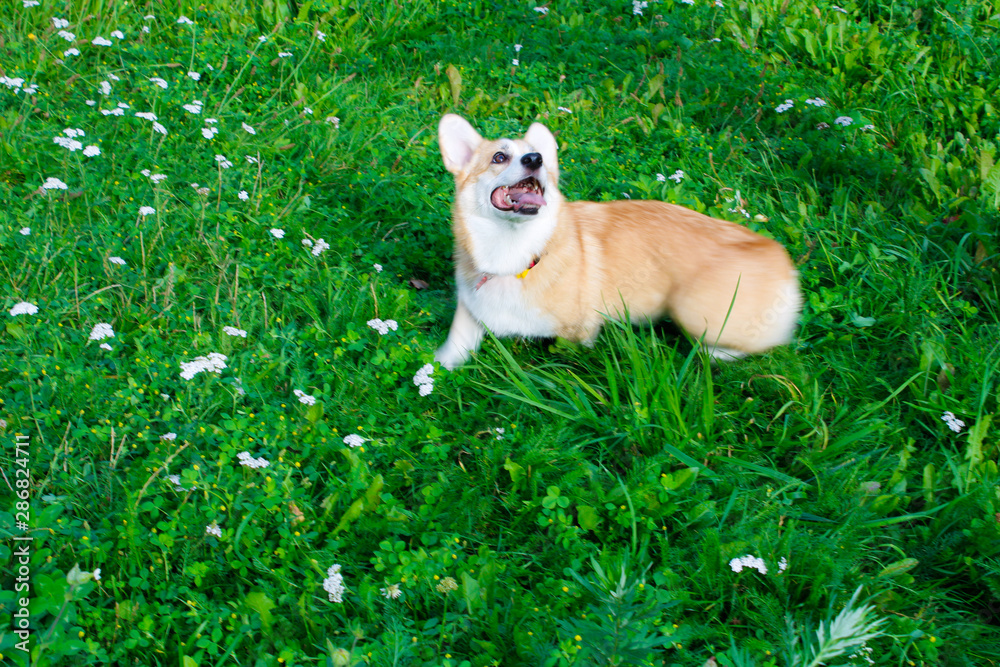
499,158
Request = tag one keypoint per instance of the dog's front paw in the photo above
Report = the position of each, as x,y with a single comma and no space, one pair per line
451,356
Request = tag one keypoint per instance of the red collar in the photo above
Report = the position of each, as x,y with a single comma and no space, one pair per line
519,276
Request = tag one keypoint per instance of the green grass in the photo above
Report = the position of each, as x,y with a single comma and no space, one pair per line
545,505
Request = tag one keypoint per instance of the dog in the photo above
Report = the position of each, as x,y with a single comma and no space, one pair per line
529,263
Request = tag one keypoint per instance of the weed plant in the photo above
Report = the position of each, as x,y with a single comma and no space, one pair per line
225,267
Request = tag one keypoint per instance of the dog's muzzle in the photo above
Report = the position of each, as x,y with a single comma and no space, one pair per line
525,197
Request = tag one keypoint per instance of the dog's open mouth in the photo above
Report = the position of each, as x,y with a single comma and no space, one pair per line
524,197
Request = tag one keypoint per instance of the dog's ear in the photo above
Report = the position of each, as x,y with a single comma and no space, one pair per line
458,141
539,138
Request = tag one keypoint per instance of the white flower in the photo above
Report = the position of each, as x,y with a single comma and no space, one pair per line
515,62
91,151
718,3
25,231
542,10
321,36
392,592
176,481
334,584
117,260
71,52
564,109
59,23
782,564
517,47
101,331
157,127
320,247
211,121
145,29
677,176
117,111
285,54
838,9
688,2
383,327
816,102
822,126
90,103
262,39
194,75
105,346
354,440
223,162
97,574
209,132
233,331
424,380
118,34
661,178
65,34
146,210
53,183
168,436
105,87
183,20
953,422
114,78
639,5
249,129
243,195
159,82
307,243
10,82
251,159
23,308
213,529
865,128
145,115
307,110
251,462
782,108
304,397
843,121
213,363
377,267
748,561
333,120
31,3
193,107
277,233
101,41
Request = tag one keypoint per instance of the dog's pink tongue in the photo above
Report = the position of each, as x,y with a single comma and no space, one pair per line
532,199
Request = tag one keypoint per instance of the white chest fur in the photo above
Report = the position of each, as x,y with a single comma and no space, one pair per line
504,307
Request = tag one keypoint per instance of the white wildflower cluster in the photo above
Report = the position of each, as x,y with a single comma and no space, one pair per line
101,331
213,529
183,20
638,6
169,436
391,592
194,106
209,132
424,380
195,76
213,363
320,247
785,106
354,440
499,433
249,129
755,563
251,159
334,584
223,162
304,397
25,231
150,116
250,462
23,308
564,109
677,176
157,81
333,120
816,102
661,178
117,111
116,260
71,143
233,331
53,183
953,422
277,233
101,41
843,121
383,326
176,481
542,10
12,82
202,190
146,210
285,54
377,267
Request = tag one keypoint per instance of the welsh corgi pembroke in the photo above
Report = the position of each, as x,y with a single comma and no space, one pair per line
529,263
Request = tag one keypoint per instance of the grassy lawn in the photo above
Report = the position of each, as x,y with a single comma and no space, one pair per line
225,263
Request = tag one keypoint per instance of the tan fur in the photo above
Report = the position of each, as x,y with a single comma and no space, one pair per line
721,282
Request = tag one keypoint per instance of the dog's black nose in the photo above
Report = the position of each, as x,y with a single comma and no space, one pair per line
532,160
